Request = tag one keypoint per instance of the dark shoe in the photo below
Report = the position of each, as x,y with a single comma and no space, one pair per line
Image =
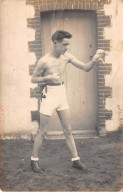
78,165
35,166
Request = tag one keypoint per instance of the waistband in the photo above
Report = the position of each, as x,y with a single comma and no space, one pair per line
54,87
56,84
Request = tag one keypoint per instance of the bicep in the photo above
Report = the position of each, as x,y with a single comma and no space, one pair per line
77,63
39,69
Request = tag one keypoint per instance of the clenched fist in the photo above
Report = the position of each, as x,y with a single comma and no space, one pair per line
100,56
53,77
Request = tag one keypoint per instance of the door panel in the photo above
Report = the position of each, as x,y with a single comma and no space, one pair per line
81,87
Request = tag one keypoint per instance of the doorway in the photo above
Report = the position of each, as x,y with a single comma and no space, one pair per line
81,87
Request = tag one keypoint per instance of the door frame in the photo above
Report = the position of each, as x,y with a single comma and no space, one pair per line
102,22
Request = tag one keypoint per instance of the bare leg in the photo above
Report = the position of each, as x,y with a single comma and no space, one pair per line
39,137
65,121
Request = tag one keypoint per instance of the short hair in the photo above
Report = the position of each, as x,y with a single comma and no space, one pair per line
60,34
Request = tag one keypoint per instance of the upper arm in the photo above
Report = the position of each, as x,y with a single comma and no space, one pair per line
77,63
39,69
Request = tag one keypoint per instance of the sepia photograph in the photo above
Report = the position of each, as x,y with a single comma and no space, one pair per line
61,95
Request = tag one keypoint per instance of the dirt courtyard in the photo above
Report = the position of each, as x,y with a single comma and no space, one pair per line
102,155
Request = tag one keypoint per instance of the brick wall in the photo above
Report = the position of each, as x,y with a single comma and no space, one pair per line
102,22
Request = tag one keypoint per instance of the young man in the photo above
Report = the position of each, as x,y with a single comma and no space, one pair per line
49,72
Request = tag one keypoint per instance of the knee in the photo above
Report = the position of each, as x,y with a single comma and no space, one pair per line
41,135
40,132
68,132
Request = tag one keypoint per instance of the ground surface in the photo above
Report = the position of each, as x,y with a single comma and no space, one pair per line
102,155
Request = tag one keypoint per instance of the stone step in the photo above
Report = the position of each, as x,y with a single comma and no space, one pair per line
78,134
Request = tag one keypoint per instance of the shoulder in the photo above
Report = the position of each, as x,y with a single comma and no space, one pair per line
43,61
68,56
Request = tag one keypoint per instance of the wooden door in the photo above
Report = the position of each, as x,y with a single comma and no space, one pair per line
81,87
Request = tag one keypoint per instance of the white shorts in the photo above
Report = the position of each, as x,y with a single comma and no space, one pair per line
55,100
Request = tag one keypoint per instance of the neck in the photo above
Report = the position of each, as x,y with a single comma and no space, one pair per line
55,54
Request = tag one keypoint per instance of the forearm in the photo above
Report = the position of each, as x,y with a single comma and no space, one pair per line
84,66
89,65
42,80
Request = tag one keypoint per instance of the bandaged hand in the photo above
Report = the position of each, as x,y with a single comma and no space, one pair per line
53,77
100,56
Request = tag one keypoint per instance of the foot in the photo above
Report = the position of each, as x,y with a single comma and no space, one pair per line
78,165
35,166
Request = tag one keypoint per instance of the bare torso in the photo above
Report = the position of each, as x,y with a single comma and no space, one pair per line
55,65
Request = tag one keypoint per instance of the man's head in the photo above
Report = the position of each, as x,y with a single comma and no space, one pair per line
60,35
60,41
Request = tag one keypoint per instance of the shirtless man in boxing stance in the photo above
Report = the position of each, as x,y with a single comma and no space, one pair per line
49,72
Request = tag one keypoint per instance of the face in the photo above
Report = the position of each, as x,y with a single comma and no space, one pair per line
61,46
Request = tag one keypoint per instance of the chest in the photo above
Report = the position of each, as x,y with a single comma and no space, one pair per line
56,65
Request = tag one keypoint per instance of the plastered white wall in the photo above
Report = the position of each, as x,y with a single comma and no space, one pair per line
15,59
115,57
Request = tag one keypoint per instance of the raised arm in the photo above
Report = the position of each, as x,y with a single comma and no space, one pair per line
86,66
